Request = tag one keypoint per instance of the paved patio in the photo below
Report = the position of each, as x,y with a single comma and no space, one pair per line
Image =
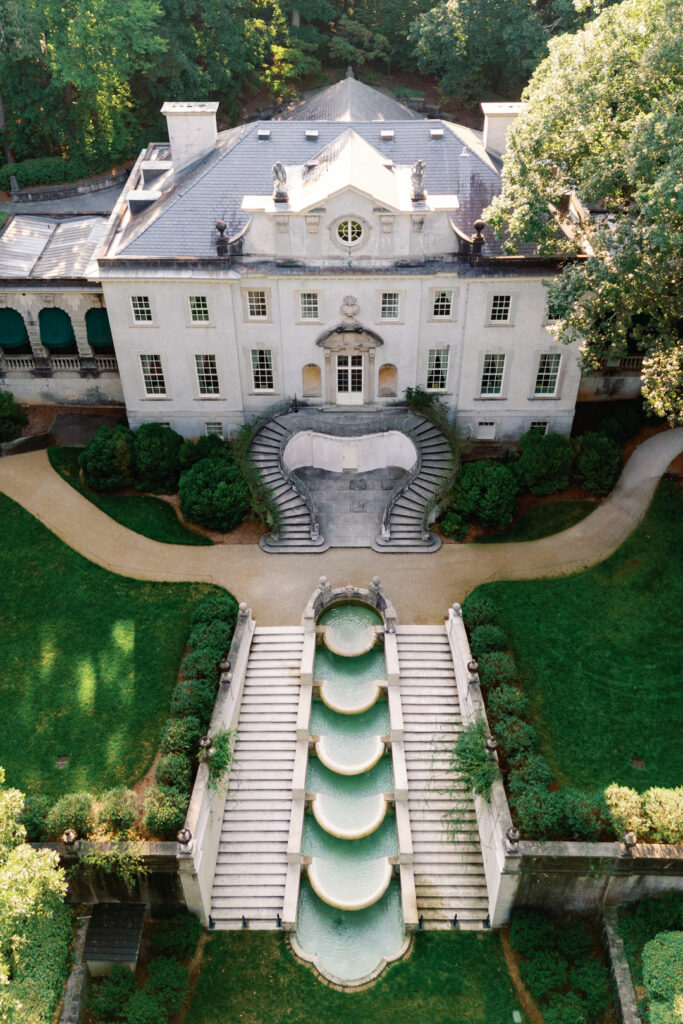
350,505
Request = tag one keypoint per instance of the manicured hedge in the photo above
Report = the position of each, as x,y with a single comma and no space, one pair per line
12,419
108,460
39,966
545,462
213,494
598,462
663,977
157,458
487,493
46,170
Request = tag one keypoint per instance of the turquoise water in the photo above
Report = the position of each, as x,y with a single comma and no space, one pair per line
349,626
350,943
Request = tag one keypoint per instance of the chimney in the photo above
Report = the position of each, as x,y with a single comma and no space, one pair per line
191,131
497,119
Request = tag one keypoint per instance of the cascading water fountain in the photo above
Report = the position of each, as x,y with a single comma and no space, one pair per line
350,917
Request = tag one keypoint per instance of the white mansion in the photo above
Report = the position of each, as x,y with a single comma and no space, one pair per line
335,254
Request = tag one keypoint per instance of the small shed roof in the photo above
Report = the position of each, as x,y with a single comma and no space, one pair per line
38,247
114,932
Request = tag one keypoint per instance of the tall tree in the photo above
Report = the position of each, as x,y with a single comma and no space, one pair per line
479,48
604,119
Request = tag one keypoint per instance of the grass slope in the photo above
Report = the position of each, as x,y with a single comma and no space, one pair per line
600,655
87,662
151,517
542,521
451,978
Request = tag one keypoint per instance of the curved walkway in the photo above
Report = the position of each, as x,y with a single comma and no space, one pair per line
421,586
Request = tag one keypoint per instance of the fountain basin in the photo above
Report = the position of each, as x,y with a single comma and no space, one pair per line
350,630
348,699
349,820
340,884
349,756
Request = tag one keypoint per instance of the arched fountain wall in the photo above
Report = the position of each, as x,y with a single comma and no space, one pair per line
362,454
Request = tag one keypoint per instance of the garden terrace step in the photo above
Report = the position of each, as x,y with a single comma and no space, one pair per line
251,865
447,860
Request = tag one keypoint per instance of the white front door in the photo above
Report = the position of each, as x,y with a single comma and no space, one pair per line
349,380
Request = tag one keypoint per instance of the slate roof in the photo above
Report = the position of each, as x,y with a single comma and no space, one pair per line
37,247
180,224
348,100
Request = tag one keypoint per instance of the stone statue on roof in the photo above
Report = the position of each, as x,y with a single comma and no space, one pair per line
280,182
417,181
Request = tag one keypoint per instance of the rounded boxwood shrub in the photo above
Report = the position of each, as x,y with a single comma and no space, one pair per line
213,607
484,639
214,494
516,736
591,979
74,810
538,812
201,664
530,771
625,810
545,462
144,1008
194,698
178,936
12,419
165,811
574,941
663,966
174,771
543,972
487,492
531,931
583,814
107,460
157,460
208,446
598,462
568,1008
453,525
169,982
497,668
663,810
181,735
478,610
507,700
119,810
108,999
212,636
34,815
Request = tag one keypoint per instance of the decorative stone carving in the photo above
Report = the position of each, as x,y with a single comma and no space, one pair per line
350,308
280,194
417,181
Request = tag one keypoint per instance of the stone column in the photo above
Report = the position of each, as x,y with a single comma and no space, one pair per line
370,387
330,379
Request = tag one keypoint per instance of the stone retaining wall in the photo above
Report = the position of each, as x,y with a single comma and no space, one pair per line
622,983
34,193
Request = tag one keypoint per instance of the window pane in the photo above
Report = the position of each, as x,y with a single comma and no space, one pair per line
437,369
389,306
349,232
199,308
539,426
262,369
142,310
486,430
257,304
214,427
442,303
492,377
546,378
309,305
500,308
207,375
153,375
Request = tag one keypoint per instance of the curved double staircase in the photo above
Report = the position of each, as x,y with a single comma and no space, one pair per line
411,506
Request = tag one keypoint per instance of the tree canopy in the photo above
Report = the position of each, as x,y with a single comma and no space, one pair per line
603,119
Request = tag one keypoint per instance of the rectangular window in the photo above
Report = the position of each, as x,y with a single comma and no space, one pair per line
389,310
258,307
486,430
443,304
500,309
153,375
546,377
213,427
437,369
539,426
551,316
309,305
492,377
142,310
199,309
207,375
262,369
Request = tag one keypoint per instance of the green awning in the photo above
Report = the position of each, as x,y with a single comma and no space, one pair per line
98,330
13,332
56,329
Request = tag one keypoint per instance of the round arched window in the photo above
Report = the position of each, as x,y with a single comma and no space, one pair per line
349,232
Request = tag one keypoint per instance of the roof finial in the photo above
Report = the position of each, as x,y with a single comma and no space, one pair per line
280,194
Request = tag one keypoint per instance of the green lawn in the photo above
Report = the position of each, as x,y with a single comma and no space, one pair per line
542,521
451,978
87,662
151,517
600,655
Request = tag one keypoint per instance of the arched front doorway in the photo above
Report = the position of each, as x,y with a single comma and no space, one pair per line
350,364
